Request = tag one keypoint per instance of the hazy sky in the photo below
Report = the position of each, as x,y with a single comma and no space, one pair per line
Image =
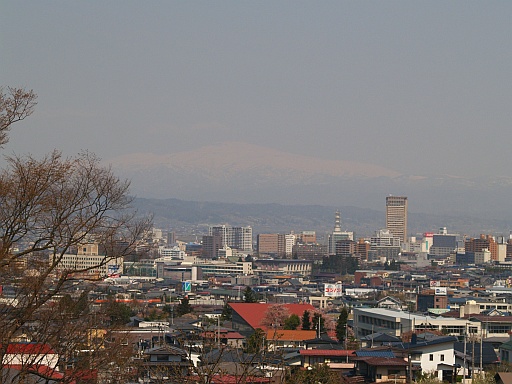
419,87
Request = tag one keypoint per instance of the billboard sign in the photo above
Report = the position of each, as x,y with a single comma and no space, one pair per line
435,283
333,290
113,270
440,291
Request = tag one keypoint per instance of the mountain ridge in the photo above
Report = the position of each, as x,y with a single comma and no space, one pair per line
245,174
194,217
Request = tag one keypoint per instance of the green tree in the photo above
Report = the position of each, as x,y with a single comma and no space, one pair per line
319,373
74,307
183,307
168,309
227,313
306,321
117,313
318,320
256,342
249,295
292,322
341,324
345,265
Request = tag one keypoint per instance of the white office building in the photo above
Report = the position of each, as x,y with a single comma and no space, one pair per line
234,237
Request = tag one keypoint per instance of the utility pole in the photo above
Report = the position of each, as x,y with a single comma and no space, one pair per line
481,350
218,330
465,352
473,357
409,356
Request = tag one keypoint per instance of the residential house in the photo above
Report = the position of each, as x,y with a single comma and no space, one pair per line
389,303
382,369
282,338
434,356
339,359
378,339
30,354
165,363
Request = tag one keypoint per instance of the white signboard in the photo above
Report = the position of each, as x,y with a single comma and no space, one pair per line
440,291
435,283
333,290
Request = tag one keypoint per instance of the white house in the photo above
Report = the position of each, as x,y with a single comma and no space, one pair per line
435,356
30,354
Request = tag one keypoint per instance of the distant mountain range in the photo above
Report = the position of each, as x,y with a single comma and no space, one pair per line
247,174
193,218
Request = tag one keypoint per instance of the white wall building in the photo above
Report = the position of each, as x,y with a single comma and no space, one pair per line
384,238
174,253
289,242
87,260
234,237
434,356
222,269
395,322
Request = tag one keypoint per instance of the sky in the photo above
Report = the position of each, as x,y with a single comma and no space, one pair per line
417,87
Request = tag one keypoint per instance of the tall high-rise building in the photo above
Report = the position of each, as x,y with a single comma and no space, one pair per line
479,244
271,243
234,237
396,216
337,235
211,246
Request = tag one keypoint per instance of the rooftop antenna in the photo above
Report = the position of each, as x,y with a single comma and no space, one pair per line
337,222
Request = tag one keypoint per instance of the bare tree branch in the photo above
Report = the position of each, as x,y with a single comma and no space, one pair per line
15,105
49,208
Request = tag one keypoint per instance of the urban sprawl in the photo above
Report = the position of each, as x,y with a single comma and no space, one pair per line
239,307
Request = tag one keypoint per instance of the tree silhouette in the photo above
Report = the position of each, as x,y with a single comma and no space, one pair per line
341,324
53,210
306,321
183,307
292,322
249,295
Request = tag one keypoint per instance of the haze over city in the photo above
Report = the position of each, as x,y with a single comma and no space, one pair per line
340,102
280,192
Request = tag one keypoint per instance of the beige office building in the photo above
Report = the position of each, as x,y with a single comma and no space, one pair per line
396,216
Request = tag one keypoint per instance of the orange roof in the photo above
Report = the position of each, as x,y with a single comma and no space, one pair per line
253,313
290,335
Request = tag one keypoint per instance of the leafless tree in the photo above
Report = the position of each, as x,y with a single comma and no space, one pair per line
15,105
49,209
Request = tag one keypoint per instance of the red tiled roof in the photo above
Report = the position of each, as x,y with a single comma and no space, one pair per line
30,348
43,370
233,335
327,352
83,374
290,335
253,313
